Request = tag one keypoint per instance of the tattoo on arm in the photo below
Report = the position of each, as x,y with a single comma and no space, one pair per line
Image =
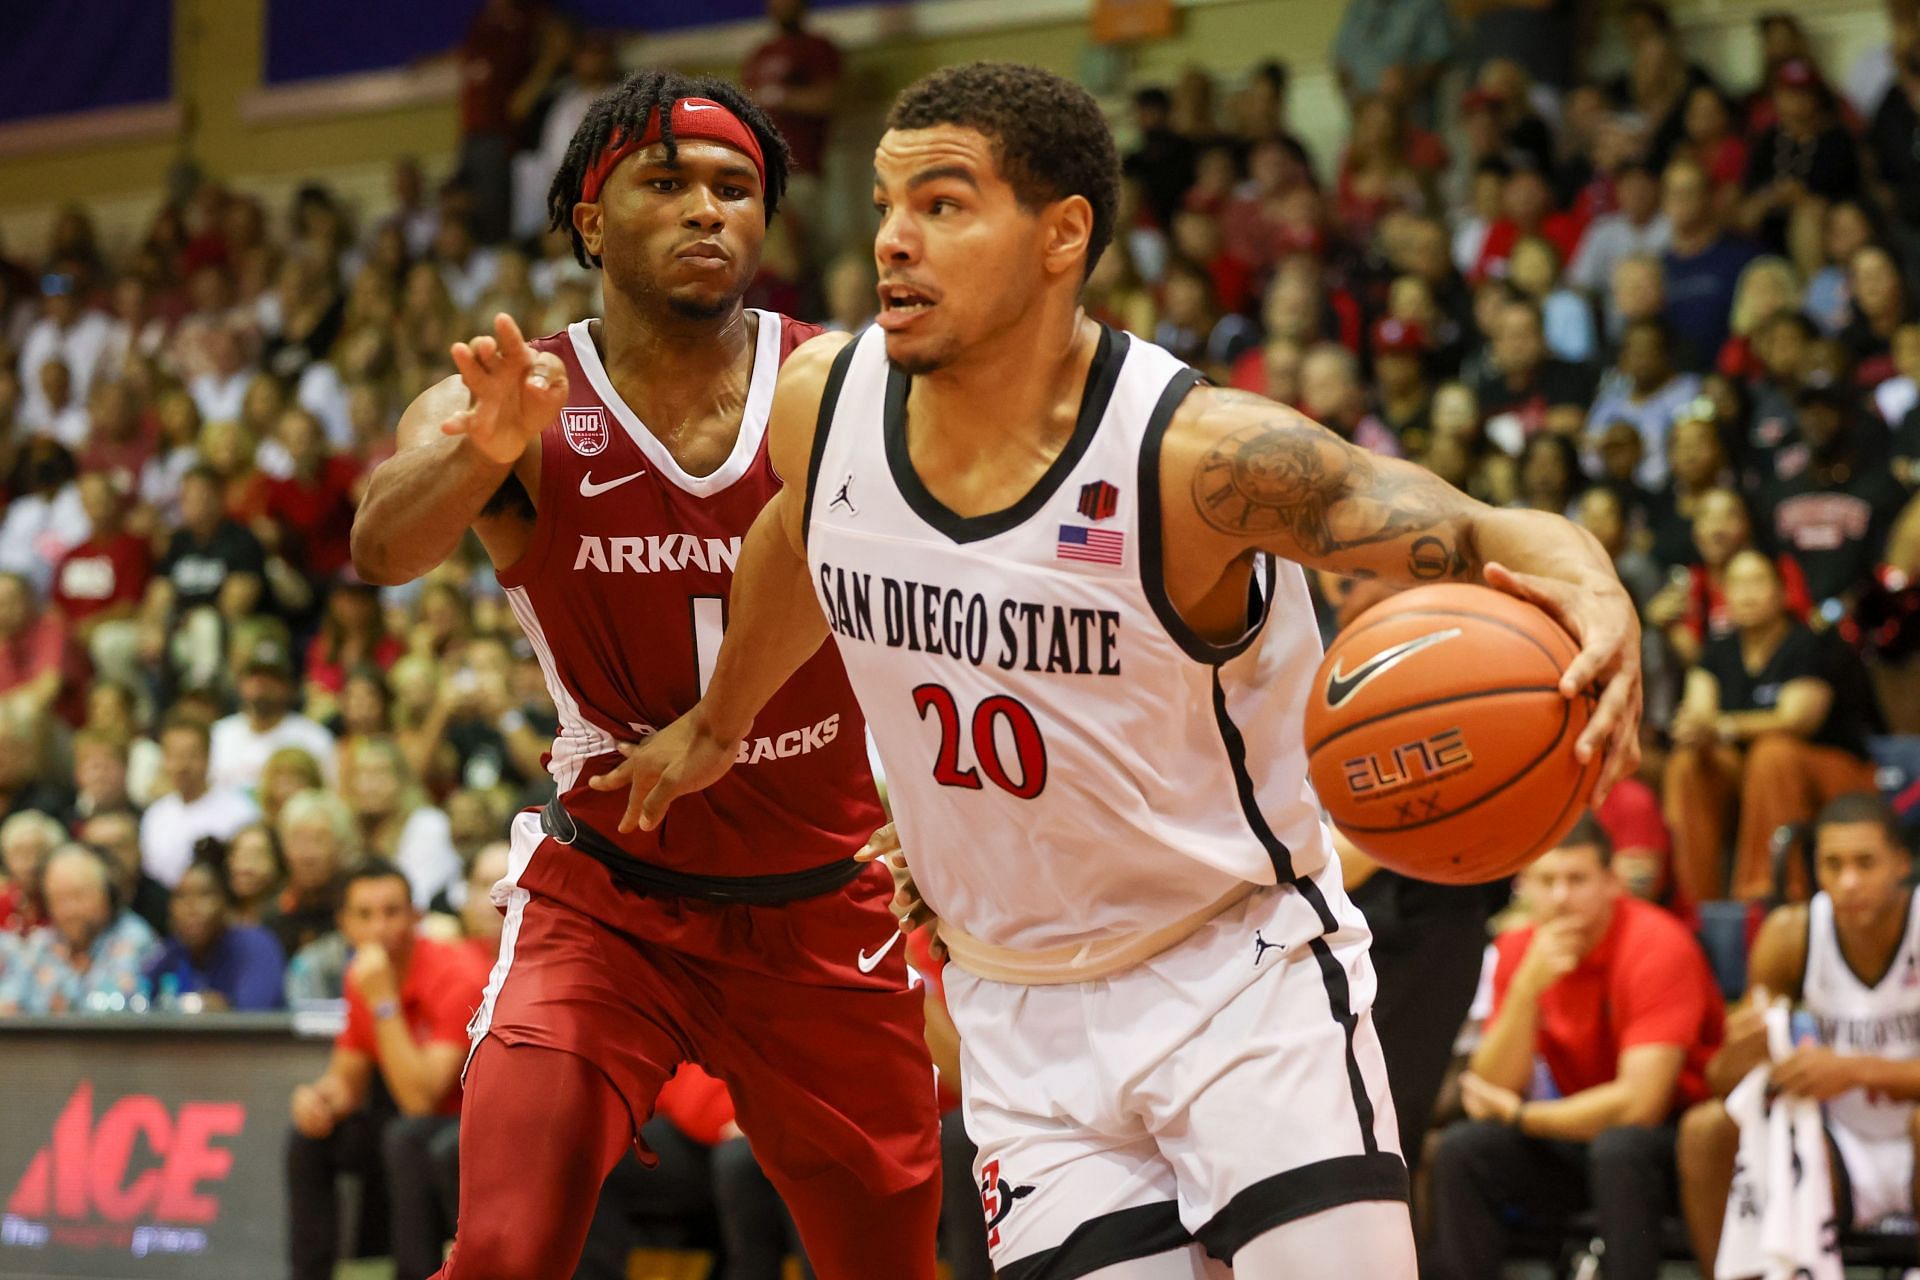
1289,480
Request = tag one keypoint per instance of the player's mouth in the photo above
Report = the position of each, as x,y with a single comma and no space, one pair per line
902,304
705,253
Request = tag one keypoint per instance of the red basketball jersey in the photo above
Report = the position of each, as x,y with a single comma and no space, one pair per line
623,593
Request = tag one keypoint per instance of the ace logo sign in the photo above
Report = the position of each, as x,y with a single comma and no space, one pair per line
142,1176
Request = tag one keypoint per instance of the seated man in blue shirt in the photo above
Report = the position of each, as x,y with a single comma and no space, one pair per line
228,966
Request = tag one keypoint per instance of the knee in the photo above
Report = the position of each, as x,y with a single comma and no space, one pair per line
1704,1128
1626,1146
1469,1144
1774,755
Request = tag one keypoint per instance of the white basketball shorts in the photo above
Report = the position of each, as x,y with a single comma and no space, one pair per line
1225,1087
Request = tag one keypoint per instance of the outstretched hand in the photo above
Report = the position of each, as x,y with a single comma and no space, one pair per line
679,759
908,907
517,391
1603,621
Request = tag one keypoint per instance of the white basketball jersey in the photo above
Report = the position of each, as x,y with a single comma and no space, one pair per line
1068,762
1851,1015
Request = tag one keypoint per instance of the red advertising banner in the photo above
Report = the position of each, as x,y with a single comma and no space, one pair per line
147,1151
1120,21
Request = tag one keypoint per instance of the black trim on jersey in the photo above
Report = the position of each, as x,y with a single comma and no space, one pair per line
1152,569
1103,1241
1340,1004
829,401
1906,919
1277,851
1299,1193
643,877
1101,376
1332,976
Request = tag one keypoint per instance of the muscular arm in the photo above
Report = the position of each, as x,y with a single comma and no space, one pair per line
1241,474
1640,1094
1800,710
1504,1056
421,501
1776,968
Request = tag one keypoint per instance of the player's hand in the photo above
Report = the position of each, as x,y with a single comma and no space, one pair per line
1552,955
516,391
1813,1071
372,973
312,1114
1484,1101
682,757
1748,1019
907,906
1600,615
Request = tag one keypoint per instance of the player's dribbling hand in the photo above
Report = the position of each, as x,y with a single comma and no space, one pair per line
907,907
1601,617
680,758
312,1116
516,391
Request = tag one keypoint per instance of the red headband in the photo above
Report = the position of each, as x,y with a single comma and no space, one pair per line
692,118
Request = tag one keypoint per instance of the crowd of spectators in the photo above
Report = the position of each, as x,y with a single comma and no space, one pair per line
1679,311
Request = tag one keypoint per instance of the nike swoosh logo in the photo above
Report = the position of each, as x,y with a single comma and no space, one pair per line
868,963
1341,685
694,106
588,489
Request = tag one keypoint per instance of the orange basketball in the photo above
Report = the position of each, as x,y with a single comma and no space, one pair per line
1438,739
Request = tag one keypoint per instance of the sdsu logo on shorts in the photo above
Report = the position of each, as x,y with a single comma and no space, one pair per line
586,430
997,1199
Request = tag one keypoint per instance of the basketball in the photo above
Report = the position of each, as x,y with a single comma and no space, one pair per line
1437,736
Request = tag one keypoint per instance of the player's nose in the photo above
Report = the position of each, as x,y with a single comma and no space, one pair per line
895,243
704,210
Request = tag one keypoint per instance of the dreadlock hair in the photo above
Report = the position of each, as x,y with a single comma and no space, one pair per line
626,109
1049,136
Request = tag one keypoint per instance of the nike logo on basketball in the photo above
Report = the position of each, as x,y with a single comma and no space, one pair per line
868,963
1342,685
588,489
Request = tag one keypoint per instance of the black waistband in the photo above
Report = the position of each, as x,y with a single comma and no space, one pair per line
645,877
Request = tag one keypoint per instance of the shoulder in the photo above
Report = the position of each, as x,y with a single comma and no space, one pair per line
807,356
1779,951
1210,419
794,333
1653,943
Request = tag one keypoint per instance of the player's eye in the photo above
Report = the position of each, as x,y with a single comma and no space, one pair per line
665,185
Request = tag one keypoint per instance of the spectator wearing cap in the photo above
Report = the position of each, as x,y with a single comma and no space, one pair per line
1405,392
266,721
66,331
1805,155
175,822
90,955
1702,265
99,585
41,669
1635,227
1834,504
1644,389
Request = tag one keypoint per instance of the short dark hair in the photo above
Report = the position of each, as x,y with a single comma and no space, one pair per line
1049,136
181,720
373,869
1861,807
1153,96
210,856
1587,833
626,109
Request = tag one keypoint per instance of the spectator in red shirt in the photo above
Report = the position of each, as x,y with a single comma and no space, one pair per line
509,44
99,585
795,76
1526,209
314,504
119,443
41,669
1615,998
408,1002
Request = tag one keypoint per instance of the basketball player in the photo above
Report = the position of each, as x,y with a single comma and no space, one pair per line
1851,959
611,471
1057,580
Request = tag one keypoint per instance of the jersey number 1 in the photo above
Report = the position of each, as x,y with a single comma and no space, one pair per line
1029,749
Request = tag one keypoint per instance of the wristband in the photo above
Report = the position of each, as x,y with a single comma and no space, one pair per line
386,1009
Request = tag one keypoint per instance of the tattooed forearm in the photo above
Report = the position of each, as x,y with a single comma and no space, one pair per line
1295,487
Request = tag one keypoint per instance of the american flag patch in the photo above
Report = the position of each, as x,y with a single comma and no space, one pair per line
1093,546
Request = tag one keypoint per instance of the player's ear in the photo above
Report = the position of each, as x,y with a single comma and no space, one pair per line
1069,224
587,220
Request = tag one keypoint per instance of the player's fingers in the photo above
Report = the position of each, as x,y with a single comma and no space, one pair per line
1614,728
459,424
506,335
486,352
650,812
546,374
619,776
468,367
